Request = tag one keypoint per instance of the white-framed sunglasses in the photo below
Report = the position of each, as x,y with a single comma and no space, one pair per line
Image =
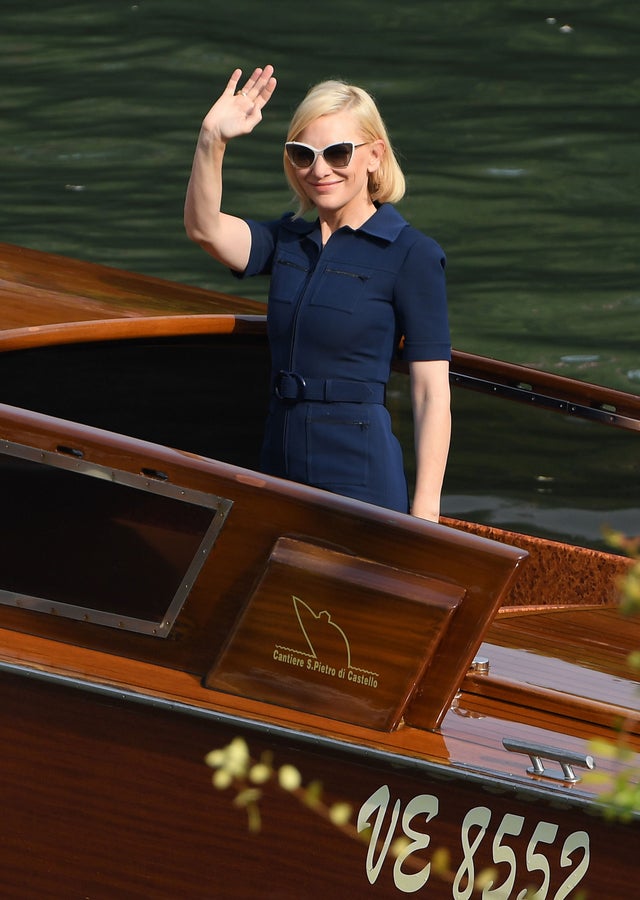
338,156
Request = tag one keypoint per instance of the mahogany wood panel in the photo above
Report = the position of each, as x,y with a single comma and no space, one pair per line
355,648
470,737
556,574
573,662
104,798
43,289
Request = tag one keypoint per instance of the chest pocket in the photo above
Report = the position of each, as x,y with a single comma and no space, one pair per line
288,277
341,286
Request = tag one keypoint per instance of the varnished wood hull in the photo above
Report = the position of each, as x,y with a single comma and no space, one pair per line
108,796
110,705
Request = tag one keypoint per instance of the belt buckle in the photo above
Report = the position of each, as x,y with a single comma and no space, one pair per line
299,382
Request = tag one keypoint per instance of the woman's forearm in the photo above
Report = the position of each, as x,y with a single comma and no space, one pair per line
204,191
432,434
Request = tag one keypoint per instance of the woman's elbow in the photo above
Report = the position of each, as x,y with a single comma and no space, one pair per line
199,236
193,231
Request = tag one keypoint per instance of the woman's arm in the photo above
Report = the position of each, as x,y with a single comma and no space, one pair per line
431,398
225,237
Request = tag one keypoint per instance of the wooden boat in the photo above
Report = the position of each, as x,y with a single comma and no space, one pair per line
161,599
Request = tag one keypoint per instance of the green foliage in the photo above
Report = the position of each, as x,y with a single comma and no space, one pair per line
234,768
619,798
630,585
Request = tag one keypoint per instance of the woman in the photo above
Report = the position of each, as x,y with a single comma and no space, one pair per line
344,289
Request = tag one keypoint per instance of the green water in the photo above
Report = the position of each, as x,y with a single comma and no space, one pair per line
519,138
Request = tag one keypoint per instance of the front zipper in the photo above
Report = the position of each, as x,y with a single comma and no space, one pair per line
294,329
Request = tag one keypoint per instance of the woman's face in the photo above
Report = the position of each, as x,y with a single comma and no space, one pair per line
342,191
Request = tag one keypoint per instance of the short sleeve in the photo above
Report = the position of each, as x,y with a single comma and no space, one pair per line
264,236
421,301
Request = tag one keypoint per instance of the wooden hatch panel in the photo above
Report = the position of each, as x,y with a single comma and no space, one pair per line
320,653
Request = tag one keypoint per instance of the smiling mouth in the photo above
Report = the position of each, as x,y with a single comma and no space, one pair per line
318,185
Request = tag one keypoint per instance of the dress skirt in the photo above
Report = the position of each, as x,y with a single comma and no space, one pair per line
347,448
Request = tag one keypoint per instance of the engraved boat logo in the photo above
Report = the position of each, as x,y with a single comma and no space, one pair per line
327,650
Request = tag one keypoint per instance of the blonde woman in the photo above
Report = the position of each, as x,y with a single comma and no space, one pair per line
345,286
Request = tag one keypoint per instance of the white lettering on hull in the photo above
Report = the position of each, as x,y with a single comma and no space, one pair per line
425,807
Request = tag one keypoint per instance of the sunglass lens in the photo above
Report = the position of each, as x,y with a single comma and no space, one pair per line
300,156
338,155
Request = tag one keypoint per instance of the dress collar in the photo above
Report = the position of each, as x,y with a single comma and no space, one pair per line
386,223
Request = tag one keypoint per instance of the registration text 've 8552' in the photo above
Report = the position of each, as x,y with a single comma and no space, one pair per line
527,875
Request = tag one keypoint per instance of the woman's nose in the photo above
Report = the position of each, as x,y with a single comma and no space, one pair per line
320,168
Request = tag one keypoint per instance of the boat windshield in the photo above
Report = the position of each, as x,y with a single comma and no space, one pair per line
92,543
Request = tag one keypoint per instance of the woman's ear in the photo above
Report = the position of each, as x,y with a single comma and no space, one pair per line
377,150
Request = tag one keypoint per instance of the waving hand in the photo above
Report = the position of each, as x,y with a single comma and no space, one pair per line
238,110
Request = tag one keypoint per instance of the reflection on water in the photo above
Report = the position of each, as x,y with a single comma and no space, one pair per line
519,137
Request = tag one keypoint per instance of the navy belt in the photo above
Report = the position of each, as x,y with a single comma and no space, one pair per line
294,388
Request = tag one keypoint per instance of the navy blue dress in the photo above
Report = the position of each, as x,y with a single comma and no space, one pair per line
335,316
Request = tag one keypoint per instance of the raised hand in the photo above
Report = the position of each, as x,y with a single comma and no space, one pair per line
238,110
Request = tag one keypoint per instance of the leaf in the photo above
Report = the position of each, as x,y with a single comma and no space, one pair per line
260,773
313,793
289,778
441,861
602,747
340,813
215,758
247,796
222,779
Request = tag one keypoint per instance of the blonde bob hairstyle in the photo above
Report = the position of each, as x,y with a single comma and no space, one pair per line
386,185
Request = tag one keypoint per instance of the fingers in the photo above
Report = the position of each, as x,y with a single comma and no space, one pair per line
259,86
233,82
267,90
239,109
